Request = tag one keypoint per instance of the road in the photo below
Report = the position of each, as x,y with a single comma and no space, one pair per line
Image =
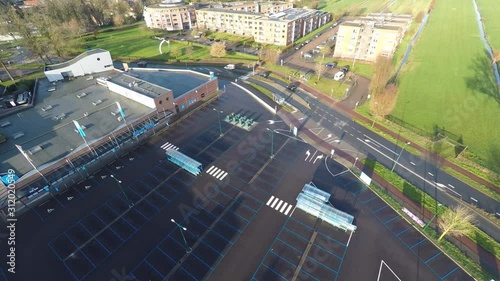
418,171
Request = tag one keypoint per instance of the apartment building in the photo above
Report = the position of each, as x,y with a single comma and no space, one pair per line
170,15
255,7
281,28
370,36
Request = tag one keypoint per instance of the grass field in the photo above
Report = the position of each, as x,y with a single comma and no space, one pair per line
490,11
136,43
448,82
338,7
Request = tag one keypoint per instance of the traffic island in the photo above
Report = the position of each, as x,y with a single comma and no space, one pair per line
241,121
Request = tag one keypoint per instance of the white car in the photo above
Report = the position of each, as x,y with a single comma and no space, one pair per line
339,76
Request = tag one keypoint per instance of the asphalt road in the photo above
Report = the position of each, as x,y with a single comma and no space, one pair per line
418,171
233,232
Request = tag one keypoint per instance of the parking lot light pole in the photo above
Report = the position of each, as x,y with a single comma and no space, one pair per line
182,229
130,204
272,142
397,159
218,115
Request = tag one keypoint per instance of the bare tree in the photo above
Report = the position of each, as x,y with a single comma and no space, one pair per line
383,102
456,221
189,51
218,49
382,70
320,69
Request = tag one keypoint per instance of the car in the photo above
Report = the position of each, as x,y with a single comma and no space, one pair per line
298,47
322,46
307,41
339,75
345,69
316,51
308,56
331,64
318,35
293,86
264,74
142,63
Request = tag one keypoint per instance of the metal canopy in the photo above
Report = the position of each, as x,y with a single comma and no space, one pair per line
185,162
314,201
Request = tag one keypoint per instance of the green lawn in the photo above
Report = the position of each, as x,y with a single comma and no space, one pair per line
338,7
448,81
409,6
135,43
490,11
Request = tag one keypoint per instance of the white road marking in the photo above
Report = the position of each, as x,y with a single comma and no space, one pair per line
430,174
288,210
451,186
214,171
270,200
221,178
209,170
379,144
473,199
279,204
274,203
412,163
216,175
284,207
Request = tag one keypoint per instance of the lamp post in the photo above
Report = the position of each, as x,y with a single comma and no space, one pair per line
397,159
218,115
272,142
182,229
130,204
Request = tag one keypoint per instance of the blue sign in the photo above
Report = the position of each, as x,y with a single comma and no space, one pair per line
144,129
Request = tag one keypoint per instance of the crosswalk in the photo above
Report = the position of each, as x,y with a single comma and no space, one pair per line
216,173
168,145
279,205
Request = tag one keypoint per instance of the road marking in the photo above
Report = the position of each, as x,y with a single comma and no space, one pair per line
412,163
274,203
430,174
279,205
379,144
168,145
451,186
209,170
290,207
284,207
474,199
270,199
221,178
217,173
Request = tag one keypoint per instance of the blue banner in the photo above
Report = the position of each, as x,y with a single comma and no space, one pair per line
80,130
144,129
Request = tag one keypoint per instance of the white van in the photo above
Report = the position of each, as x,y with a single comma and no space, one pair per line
229,67
339,75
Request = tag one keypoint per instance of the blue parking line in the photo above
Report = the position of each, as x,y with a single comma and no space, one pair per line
215,250
154,268
447,274
214,231
335,255
391,219
152,188
416,244
116,234
71,272
281,258
320,263
403,231
288,245
433,257
302,223
300,236
370,199
96,239
275,272
303,271
380,208
121,217
341,262
330,238
52,241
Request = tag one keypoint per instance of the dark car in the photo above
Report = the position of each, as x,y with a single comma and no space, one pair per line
142,63
331,64
345,68
264,74
293,86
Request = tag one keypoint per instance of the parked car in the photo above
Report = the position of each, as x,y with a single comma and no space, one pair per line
322,46
307,41
318,35
264,74
331,64
308,56
345,69
339,75
293,86
316,51
229,67
142,63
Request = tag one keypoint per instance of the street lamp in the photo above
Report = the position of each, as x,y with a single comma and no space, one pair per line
272,142
218,115
182,229
130,204
397,159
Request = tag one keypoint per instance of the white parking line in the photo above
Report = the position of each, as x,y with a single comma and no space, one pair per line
270,199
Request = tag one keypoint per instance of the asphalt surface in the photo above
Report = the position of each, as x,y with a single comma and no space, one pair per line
232,231
422,173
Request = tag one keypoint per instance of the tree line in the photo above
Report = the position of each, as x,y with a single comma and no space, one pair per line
51,29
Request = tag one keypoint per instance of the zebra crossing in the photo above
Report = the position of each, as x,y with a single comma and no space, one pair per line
216,173
168,145
279,205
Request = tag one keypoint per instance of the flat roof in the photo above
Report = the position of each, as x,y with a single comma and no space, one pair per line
179,81
74,60
57,137
130,80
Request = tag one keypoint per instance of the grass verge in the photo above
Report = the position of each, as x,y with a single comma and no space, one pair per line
268,94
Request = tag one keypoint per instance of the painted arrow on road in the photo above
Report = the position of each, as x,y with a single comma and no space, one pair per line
308,153
70,198
318,157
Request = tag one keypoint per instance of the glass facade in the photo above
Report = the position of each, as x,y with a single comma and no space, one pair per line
183,161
